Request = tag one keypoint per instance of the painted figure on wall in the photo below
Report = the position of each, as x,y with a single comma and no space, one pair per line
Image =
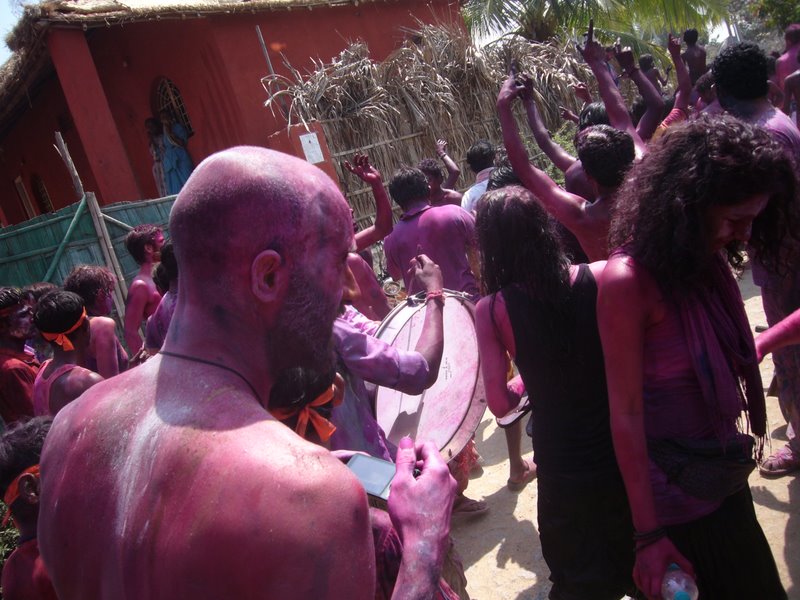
176,162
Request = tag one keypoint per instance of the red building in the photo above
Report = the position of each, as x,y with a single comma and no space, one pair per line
96,69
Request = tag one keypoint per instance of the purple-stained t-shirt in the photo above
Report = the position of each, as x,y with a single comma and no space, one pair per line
444,233
364,358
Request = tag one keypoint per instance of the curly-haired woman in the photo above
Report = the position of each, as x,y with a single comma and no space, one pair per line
680,359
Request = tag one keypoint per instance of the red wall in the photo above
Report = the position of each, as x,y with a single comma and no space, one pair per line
28,149
217,64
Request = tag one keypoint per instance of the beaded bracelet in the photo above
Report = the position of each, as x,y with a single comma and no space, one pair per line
435,295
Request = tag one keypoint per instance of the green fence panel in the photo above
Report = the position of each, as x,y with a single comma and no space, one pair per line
27,249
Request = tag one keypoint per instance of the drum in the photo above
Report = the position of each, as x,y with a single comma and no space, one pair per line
449,412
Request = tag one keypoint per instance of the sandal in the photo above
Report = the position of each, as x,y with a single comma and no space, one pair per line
465,509
783,462
518,484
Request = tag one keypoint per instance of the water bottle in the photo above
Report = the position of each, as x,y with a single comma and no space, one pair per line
678,585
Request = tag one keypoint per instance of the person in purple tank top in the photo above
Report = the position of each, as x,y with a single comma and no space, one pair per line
680,359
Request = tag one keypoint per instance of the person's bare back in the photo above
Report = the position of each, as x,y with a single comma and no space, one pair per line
695,58
197,504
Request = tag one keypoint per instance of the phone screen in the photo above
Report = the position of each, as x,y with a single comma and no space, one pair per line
375,474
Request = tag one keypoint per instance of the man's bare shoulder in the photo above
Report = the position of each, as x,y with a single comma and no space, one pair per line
103,325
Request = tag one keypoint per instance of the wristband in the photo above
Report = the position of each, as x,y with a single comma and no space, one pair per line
443,154
646,536
435,295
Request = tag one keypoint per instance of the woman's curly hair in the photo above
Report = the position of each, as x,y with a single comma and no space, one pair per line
661,215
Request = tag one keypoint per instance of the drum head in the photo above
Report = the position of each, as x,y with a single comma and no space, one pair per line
449,412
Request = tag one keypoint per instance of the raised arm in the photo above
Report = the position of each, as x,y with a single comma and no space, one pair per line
594,55
623,312
567,208
383,209
684,91
654,103
453,172
560,157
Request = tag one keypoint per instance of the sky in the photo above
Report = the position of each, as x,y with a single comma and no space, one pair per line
7,22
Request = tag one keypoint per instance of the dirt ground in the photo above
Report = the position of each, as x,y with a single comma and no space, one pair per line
501,551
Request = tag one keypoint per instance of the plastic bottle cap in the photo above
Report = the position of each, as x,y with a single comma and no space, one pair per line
681,595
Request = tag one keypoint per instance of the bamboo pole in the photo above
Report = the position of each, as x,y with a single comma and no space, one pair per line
60,250
109,256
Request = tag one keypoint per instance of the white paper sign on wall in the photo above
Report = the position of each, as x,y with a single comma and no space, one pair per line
311,148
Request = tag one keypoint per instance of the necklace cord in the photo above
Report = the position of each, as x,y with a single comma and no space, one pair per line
213,364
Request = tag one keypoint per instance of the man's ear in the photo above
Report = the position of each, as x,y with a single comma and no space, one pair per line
268,275
29,488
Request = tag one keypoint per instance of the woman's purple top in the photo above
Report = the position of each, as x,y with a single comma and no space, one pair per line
673,408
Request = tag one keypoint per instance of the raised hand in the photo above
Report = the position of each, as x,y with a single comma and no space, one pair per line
581,92
362,169
625,58
592,51
511,90
674,46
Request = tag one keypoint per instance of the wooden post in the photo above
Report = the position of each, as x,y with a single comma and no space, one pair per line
110,258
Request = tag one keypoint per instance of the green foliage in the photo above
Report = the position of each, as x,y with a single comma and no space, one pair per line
779,13
637,22
8,539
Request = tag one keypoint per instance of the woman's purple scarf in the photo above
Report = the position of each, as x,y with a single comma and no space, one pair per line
723,352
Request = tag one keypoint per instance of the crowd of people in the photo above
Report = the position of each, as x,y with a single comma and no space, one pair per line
208,460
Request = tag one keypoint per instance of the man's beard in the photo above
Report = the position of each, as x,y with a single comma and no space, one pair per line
303,335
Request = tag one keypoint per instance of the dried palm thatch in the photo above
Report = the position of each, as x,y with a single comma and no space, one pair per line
437,85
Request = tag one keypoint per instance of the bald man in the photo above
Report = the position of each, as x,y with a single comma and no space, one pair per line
172,480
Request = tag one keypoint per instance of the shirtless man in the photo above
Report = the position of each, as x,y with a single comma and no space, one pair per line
694,56
95,285
182,449
787,62
144,244
441,190
61,318
605,154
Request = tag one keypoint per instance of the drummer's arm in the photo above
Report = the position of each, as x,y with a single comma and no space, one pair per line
430,345
494,356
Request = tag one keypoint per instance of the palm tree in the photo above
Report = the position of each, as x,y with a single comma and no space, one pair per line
635,22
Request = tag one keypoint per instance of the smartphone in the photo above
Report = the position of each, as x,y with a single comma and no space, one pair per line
375,474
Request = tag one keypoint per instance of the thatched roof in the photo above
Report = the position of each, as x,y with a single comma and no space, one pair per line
30,64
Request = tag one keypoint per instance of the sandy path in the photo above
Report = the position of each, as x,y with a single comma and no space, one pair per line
501,552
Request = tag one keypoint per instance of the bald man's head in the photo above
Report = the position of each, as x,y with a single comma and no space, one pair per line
261,239
244,200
